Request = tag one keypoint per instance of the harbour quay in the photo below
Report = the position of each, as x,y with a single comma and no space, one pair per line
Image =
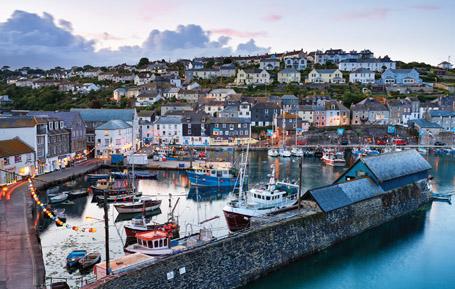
373,191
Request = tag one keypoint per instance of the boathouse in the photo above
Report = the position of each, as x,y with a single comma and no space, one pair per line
370,177
389,170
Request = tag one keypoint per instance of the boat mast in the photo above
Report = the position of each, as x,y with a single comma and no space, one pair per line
243,168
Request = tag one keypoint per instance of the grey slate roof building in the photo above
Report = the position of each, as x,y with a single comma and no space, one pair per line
113,125
370,177
336,196
390,170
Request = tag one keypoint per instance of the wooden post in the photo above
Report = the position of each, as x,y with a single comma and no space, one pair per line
300,182
106,232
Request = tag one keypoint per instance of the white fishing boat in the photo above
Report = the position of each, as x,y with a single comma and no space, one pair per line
335,159
297,152
258,201
273,153
284,152
59,198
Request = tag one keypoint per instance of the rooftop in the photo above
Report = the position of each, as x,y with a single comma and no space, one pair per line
423,123
92,114
113,125
14,147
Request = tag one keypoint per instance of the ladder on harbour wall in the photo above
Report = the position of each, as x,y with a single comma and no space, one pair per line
79,282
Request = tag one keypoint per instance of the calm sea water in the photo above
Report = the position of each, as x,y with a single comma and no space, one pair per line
412,252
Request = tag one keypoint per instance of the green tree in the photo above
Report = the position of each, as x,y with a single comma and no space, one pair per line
144,61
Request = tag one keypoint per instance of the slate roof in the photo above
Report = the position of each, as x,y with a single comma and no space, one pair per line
92,114
336,196
443,113
362,70
289,70
397,164
114,124
325,71
14,147
68,117
423,123
169,119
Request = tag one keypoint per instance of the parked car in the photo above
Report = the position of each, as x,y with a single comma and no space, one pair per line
439,143
400,142
344,142
381,142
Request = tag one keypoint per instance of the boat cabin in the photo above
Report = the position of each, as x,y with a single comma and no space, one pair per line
154,239
102,184
219,173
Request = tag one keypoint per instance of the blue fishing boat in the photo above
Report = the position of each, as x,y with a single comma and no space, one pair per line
144,175
73,258
119,175
212,177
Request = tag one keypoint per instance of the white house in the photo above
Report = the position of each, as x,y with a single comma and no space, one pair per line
289,75
220,94
143,78
373,64
325,76
168,130
113,137
16,159
118,93
147,98
252,76
299,63
269,63
88,87
445,65
361,75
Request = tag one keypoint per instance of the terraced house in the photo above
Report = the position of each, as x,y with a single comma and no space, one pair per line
325,76
252,76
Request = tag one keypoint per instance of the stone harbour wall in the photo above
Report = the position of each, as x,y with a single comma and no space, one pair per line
237,260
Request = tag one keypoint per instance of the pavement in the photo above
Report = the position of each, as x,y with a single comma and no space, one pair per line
21,260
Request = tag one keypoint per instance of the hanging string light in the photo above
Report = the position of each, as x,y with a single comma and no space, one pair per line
51,215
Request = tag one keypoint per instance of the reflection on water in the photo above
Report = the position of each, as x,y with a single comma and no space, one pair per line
173,186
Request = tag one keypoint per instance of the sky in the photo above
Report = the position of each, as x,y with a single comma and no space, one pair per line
46,33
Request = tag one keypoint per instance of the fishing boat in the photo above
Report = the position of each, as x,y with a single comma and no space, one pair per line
104,185
297,152
273,153
120,197
334,159
77,194
58,198
284,152
160,243
89,260
119,175
145,175
94,177
260,202
210,176
73,258
141,204
140,225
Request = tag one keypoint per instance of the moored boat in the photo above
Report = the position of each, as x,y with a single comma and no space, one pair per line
207,176
58,198
259,202
141,204
140,225
297,152
121,197
284,152
73,258
89,260
144,175
273,153
94,177
77,194
334,159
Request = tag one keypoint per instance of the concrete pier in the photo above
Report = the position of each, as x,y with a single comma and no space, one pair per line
21,260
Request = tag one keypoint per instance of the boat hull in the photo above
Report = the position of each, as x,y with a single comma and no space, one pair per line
210,181
121,209
131,231
236,221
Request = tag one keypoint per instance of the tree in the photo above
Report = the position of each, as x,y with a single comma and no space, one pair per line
144,61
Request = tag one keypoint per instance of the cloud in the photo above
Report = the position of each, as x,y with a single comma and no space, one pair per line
250,48
272,17
367,14
238,33
28,39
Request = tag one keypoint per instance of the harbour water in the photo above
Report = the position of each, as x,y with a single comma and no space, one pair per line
410,246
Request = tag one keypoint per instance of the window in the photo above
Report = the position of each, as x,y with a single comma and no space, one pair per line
106,142
156,243
6,161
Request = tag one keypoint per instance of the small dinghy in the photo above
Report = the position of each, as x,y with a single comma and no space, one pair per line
442,197
77,194
73,258
60,198
89,260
